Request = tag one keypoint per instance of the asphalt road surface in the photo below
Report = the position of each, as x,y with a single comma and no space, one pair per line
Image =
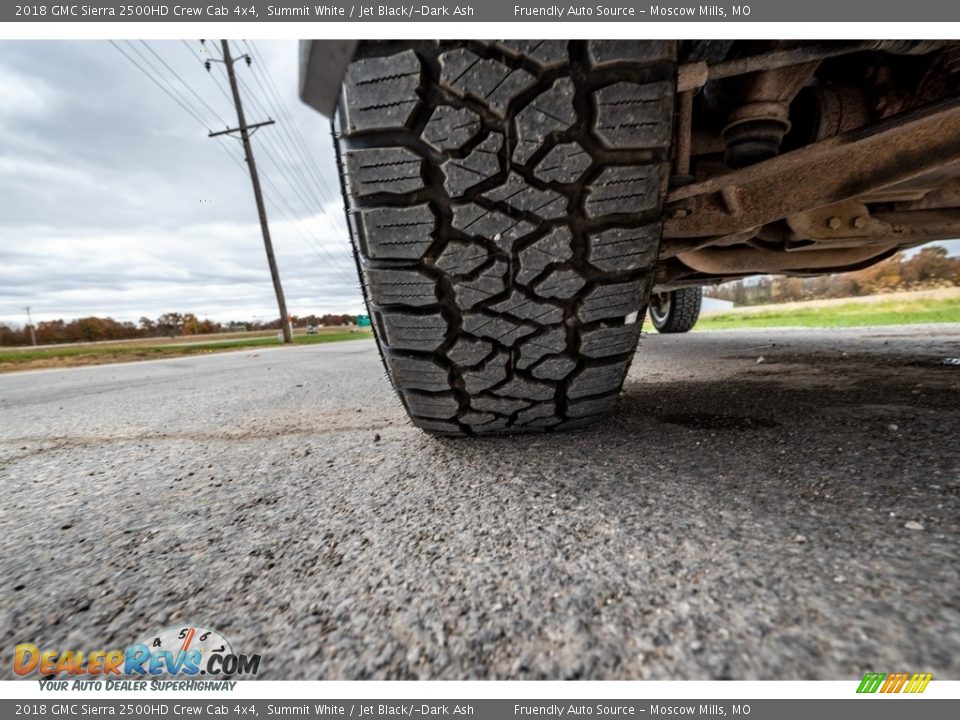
795,517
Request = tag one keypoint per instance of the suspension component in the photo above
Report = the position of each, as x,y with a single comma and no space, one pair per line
755,130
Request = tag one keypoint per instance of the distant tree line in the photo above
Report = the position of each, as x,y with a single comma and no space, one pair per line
930,268
171,324
327,320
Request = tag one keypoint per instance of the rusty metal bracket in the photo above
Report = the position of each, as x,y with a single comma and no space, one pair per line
843,167
851,221
750,260
845,220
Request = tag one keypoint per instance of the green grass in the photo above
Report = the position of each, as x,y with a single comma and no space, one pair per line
851,314
117,352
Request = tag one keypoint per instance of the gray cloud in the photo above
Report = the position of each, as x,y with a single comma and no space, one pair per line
113,200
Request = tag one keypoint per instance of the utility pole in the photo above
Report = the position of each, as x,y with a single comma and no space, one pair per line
245,133
33,335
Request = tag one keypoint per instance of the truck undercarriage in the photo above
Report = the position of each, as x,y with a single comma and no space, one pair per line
809,158
518,206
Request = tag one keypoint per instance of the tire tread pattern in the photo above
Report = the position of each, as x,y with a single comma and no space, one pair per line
684,310
504,200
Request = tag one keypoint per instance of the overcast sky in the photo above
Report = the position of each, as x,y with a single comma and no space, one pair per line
113,200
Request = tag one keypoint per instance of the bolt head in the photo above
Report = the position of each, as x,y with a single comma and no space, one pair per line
834,223
680,212
859,222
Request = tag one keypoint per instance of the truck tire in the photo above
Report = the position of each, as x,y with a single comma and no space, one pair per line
504,202
676,311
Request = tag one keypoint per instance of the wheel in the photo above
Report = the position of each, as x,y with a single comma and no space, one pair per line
504,203
676,311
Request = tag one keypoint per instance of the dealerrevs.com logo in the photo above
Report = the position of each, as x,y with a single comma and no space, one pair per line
185,652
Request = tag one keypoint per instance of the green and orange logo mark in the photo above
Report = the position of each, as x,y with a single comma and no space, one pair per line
894,682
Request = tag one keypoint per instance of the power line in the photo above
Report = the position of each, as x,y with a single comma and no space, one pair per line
282,150
264,70
183,102
284,112
288,149
314,246
261,67
218,64
190,112
204,64
184,82
311,240
258,196
186,100
290,155
328,224
287,155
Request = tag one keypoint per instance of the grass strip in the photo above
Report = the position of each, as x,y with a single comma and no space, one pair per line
118,353
853,314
